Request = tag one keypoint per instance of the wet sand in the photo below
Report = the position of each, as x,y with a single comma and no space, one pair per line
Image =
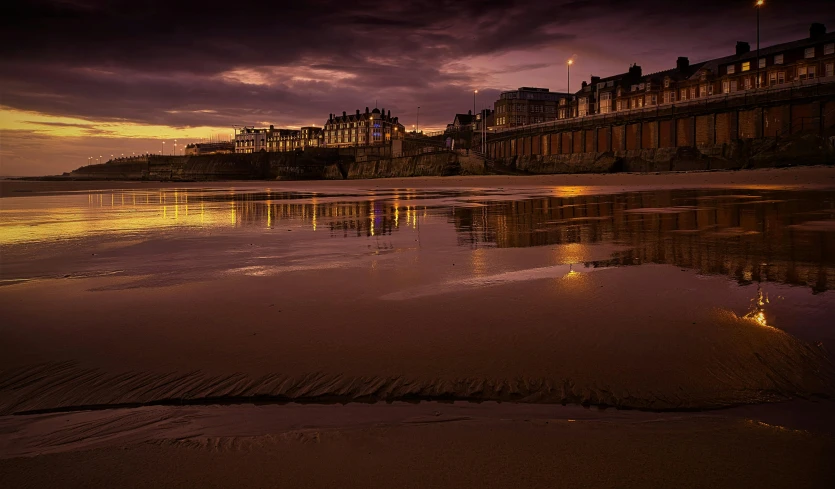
401,445
140,326
814,176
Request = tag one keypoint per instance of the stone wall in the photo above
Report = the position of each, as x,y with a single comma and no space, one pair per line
801,149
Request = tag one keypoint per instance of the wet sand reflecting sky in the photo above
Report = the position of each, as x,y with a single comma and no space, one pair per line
441,289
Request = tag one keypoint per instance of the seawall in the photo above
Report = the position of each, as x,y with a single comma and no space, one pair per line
740,154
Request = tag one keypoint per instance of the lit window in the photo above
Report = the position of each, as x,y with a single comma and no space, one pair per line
809,53
778,59
746,66
761,63
829,69
829,48
666,83
747,83
731,69
683,94
726,87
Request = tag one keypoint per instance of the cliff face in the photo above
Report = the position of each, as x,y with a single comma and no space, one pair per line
423,165
310,164
744,153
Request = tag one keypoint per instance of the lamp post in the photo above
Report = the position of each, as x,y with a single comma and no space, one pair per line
758,5
417,121
162,153
568,85
175,147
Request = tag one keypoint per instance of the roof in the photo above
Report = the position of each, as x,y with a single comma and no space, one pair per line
463,119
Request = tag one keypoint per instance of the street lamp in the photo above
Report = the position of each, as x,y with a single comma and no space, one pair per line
175,147
758,5
568,82
418,120
162,153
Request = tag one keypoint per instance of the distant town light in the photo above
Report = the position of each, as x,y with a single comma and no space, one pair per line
571,61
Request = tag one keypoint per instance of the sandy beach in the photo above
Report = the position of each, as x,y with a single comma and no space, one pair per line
815,176
426,332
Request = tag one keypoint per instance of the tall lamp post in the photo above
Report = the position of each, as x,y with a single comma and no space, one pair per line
568,85
758,5
417,121
475,92
162,153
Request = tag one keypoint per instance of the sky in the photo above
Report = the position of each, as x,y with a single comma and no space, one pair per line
83,79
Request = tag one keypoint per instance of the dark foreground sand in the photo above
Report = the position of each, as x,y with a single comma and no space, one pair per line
424,445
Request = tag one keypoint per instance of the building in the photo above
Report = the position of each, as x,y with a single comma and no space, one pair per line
527,105
369,128
253,140
221,147
792,62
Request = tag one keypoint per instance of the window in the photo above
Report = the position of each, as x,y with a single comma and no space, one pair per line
605,102
809,53
641,86
583,107
829,48
761,63
619,105
693,92
666,83
652,99
812,71
638,102
746,66
633,88
726,87
733,85
747,83
829,69
731,69
683,94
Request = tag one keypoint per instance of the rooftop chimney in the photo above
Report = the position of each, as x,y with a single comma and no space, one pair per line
271,128
682,63
366,110
358,111
344,113
635,71
469,112
817,31
742,47
595,79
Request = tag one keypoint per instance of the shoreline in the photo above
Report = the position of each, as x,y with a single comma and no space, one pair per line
798,177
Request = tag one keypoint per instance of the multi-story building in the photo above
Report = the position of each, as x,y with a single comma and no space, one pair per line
253,140
369,128
780,64
527,105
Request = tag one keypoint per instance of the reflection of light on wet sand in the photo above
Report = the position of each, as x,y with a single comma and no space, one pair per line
558,271
757,313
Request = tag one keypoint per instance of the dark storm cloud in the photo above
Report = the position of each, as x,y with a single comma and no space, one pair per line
222,63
